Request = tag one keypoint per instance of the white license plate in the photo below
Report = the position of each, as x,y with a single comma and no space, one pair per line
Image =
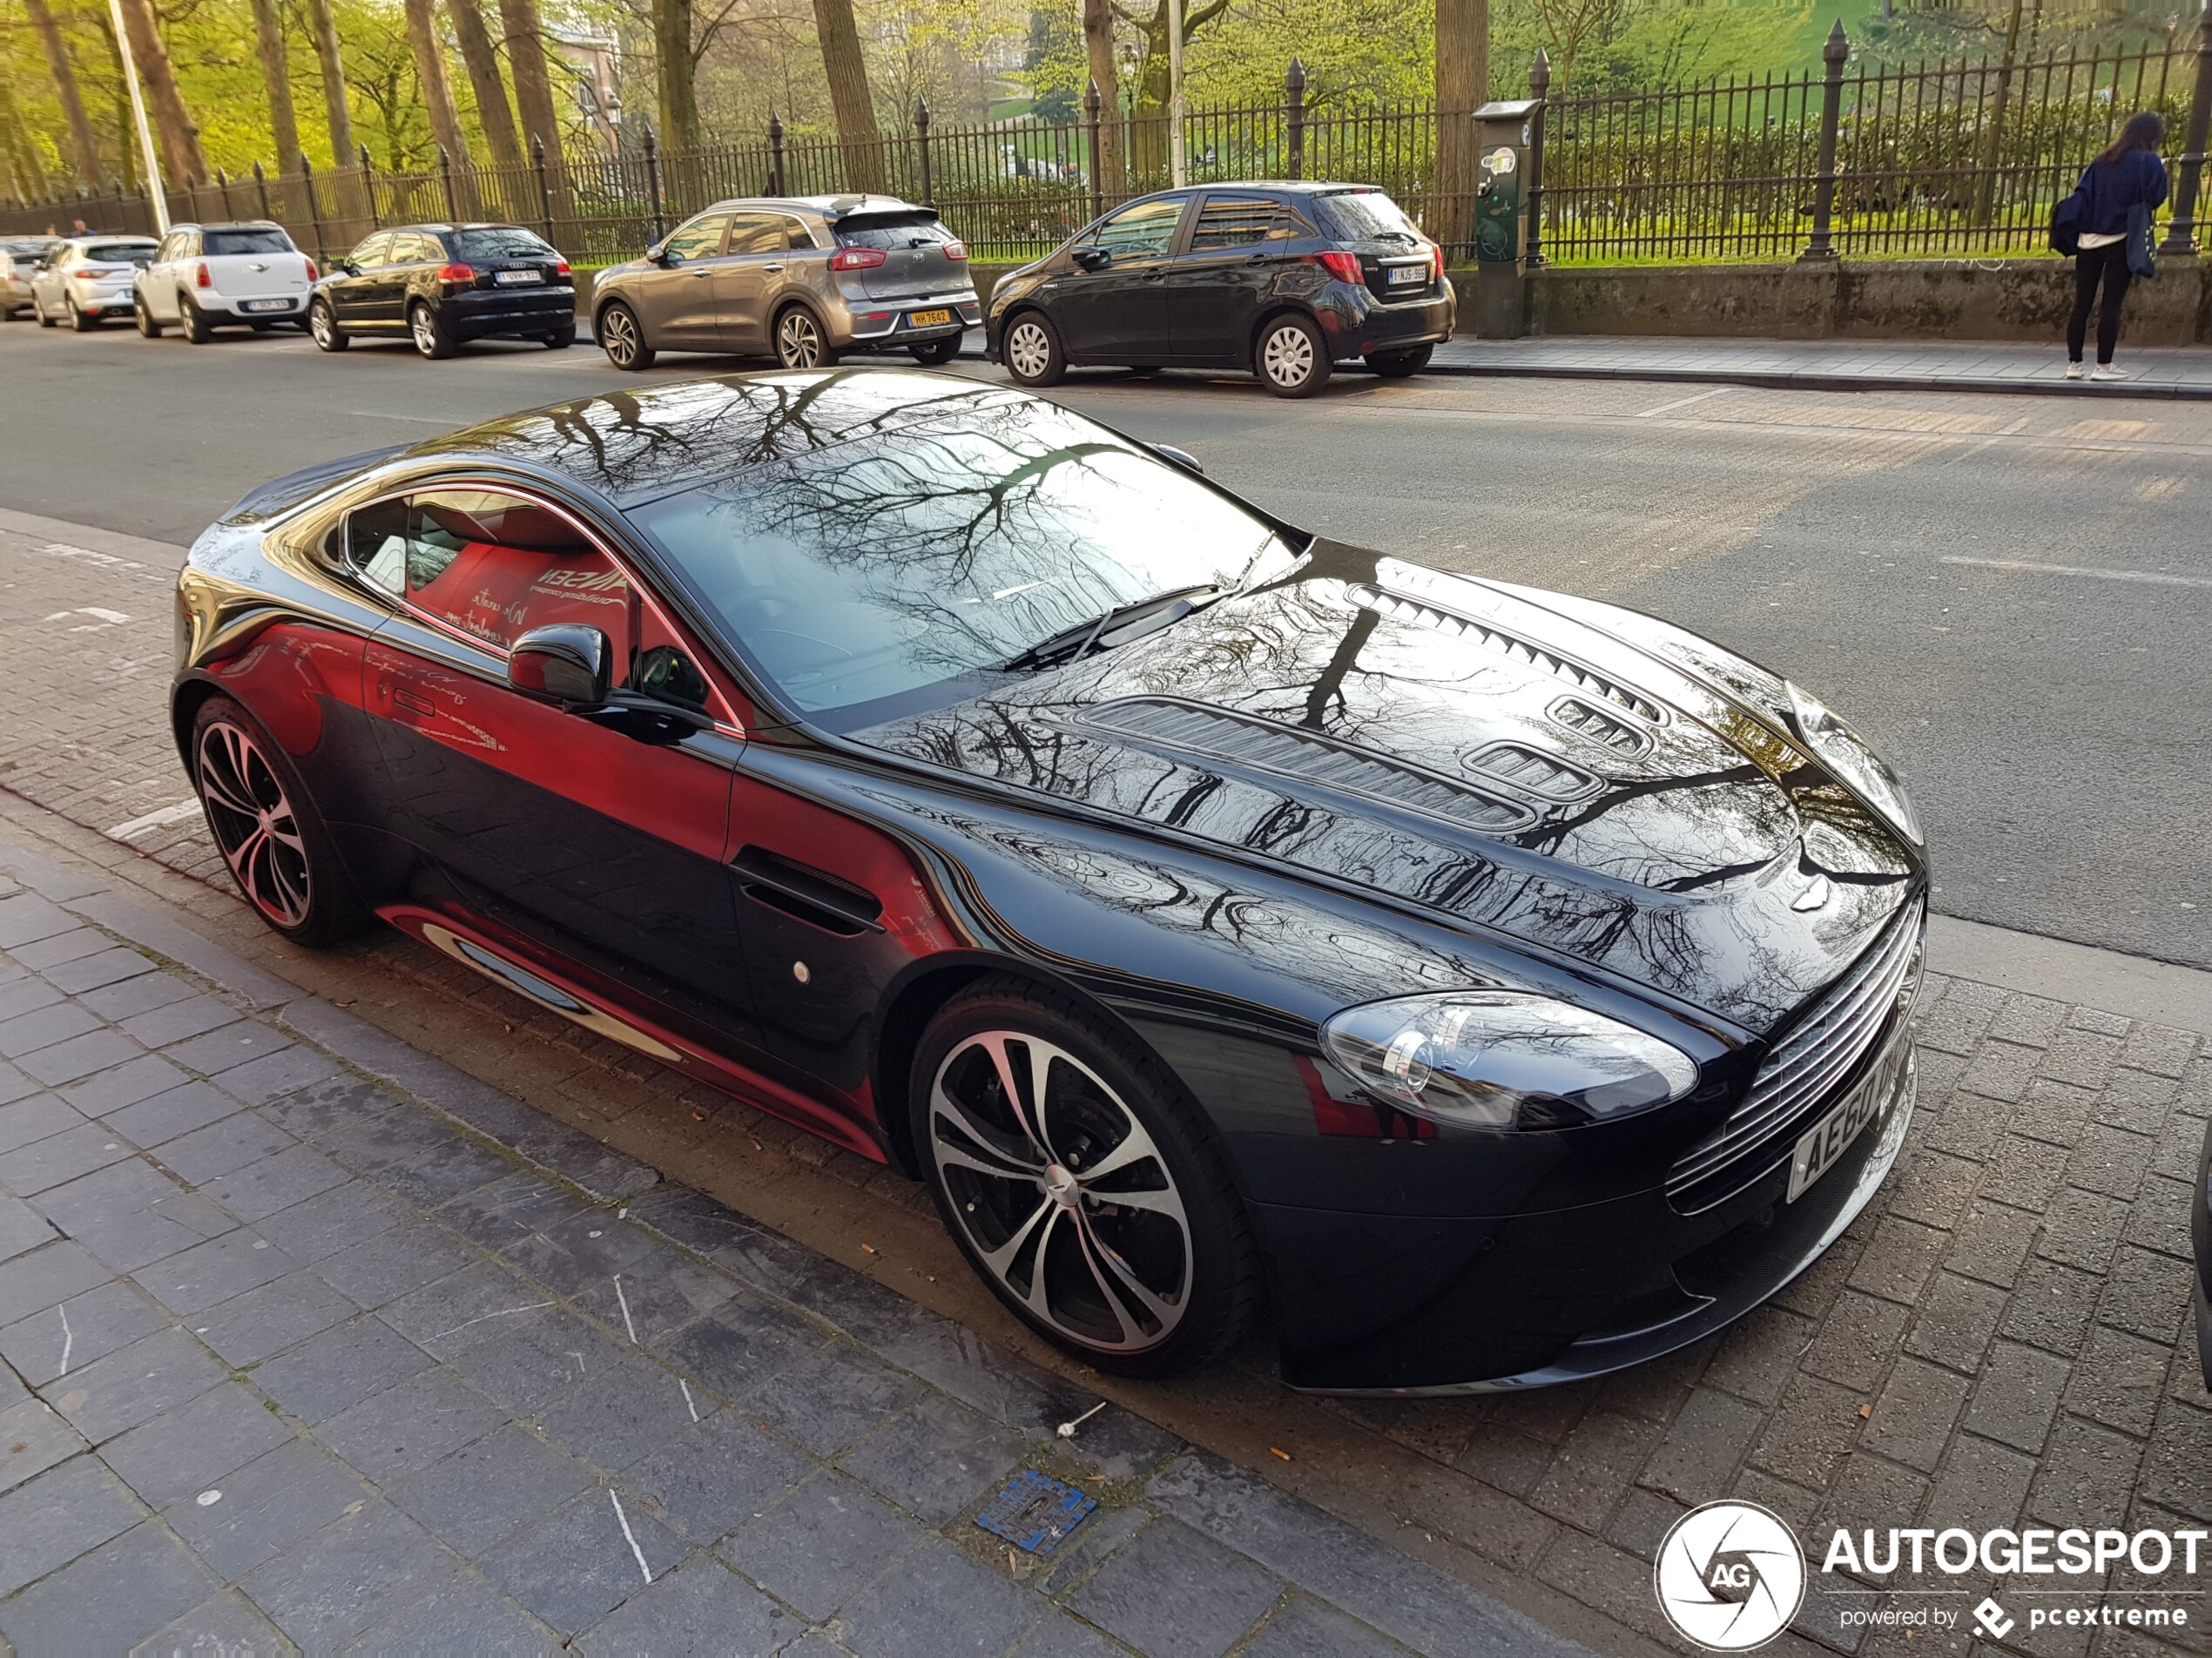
267,305
1821,1145
1404,276
515,279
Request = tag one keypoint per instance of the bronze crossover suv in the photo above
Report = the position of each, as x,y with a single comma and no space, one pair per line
802,277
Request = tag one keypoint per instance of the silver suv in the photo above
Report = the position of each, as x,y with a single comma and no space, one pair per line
802,277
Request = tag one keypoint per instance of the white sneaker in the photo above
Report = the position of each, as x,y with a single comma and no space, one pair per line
2073,371
2105,371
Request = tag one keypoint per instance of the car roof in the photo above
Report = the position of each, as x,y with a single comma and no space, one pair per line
830,207
228,224
109,236
635,445
446,227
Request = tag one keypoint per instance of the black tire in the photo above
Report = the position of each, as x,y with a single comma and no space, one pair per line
622,338
296,883
428,331
800,340
1290,357
322,327
930,352
149,325
1197,1280
1032,352
194,323
1400,365
39,311
561,339
78,321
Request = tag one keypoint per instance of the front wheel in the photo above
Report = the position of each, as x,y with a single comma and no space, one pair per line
930,352
322,324
1291,359
623,339
1032,352
1400,365
270,834
1080,1182
800,342
149,325
39,311
429,333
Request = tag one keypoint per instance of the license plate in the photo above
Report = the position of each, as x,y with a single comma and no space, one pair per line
1821,1145
267,305
927,318
1404,276
516,278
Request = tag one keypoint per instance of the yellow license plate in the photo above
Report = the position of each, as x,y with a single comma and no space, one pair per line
927,318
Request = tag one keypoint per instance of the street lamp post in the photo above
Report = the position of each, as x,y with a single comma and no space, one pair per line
156,194
1178,173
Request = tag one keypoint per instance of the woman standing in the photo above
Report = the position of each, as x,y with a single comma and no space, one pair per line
2126,176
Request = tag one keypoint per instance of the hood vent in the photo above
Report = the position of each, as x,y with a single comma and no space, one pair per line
1599,726
1293,752
1400,607
1533,772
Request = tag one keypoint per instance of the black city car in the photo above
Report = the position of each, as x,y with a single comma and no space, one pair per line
1284,279
440,285
1503,987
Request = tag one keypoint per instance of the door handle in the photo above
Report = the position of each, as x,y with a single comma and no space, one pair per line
1261,259
1154,275
413,703
701,272
773,269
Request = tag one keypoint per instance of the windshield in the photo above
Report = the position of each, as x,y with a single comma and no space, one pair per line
1366,216
507,242
246,241
890,566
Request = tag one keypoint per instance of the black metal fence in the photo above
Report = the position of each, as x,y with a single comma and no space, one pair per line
1959,158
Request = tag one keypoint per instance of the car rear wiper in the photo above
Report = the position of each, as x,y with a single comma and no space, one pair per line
1072,644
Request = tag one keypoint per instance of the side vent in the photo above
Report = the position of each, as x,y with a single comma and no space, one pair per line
1599,726
1400,607
806,895
1293,752
1533,772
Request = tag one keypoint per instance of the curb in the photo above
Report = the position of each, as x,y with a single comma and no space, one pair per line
1804,380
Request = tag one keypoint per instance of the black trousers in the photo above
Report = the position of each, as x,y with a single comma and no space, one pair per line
2108,265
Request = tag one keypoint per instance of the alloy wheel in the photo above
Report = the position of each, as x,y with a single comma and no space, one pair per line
1063,1196
319,325
254,823
425,331
1287,358
619,335
798,342
1028,350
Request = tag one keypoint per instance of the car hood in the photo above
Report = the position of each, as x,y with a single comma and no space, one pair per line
1582,780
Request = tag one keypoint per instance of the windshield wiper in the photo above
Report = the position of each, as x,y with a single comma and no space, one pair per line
1072,644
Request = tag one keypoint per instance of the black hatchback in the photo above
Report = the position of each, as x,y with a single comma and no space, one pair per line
440,285
1283,279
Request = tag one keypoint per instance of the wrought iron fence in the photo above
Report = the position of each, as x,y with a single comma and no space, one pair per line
1960,158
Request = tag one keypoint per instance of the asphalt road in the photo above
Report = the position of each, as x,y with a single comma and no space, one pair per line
2011,599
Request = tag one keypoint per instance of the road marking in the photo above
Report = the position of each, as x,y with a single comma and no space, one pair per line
631,1535
2154,577
68,1339
378,414
1684,402
160,818
624,1300
686,1387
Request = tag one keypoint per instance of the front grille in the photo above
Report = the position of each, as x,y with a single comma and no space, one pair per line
1401,608
1807,1069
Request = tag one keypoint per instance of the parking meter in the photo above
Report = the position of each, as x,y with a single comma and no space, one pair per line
1502,130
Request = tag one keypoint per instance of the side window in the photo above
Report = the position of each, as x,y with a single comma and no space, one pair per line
758,234
1146,228
495,566
417,250
376,544
1238,221
373,253
797,235
701,239
168,249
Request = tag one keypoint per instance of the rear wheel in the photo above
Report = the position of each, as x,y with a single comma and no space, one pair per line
269,833
78,320
936,351
1032,350
322,324
195,327
1291,359
1080,1182
623,340
149,325
800,342
428,334
1400,365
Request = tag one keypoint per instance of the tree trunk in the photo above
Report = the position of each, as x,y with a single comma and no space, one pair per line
526,44
679,102
126,120
437,85
82,150
276,71
1463,86
27,178
336,111
482,60
848,87
173,121
1098,45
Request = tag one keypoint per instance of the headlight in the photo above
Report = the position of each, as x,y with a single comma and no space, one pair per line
1504,1059
1859,766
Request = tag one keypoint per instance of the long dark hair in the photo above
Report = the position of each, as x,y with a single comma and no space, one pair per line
2146,130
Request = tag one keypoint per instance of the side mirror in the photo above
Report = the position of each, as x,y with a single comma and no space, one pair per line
658,255
562,663
1183,458
1092,259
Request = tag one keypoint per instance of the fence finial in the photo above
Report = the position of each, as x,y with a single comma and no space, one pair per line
775,127
1539,74
1294,77
921,111
1838,46
1091,99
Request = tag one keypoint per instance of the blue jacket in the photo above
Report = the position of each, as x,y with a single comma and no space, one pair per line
2108,189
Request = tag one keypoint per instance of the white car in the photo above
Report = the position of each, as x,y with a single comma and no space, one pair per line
87,280
204,277
19,257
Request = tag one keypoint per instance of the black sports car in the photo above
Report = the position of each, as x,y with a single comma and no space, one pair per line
1498,987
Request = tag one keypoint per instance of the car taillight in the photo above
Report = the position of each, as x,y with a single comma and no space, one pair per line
1436,252
955,250
561,268
1344,267
313,275
856,259
456,273
201,280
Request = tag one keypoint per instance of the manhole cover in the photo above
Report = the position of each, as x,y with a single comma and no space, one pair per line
1035,1513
